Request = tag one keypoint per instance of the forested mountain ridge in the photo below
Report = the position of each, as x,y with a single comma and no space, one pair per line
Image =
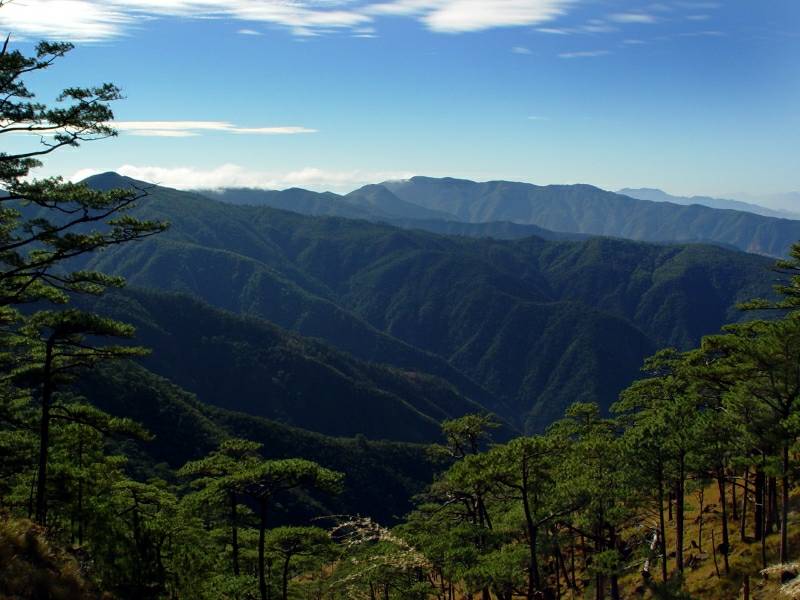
512,210
590,210
537,323
185,428
376,203
248,365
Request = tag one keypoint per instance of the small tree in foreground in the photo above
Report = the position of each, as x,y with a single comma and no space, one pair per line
267,479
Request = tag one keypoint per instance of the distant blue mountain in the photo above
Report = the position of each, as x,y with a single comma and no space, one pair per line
656,195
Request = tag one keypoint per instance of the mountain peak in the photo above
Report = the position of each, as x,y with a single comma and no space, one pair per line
111,180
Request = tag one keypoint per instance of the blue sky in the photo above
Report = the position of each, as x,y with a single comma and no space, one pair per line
694,96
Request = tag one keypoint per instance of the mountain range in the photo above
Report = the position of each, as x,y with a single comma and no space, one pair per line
521,327
510,210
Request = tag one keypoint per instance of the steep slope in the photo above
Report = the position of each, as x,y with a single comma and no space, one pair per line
187,429
590,210
233,259
656,195
377,198
499,230
248,365
539,323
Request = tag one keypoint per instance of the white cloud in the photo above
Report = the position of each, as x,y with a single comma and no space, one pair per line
584,54
72,19
97,20
248,32
458,16
521,50
598,26
192,128
232,175
162,133
632,18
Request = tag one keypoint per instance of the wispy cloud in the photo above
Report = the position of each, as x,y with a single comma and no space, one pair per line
193,128
706,33
97,20
590,27
232,175
584,54
632,17
555,30
521,50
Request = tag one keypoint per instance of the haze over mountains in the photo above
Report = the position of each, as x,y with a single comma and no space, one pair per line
657,195
509,210
522,327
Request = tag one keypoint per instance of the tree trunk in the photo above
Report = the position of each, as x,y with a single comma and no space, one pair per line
80,489
600,581
700,519
743,523
533,564
662,530
722,502
785,506
615,587
558,575
763,500
262,528
285,580
771,506
614,577
44,435
773,503
734,507
234,534
759,505
679,513
714,551
563,565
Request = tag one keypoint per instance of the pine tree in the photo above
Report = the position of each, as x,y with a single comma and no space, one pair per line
265,480
216,476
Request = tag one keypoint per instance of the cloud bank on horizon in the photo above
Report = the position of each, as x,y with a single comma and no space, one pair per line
195,128
236,176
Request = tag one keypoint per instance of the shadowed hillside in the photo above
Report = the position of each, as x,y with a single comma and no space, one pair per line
534,322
